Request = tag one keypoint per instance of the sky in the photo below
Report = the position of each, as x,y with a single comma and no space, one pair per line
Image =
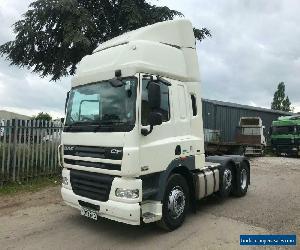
254,46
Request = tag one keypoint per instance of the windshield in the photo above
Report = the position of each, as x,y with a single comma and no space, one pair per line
95,106
283,130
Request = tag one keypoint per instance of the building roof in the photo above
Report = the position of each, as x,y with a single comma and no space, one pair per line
247,107
7,115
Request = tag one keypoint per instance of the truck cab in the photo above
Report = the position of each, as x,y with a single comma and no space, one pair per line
250,133
133,146
285,136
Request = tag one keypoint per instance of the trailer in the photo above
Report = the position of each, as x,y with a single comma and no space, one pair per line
249,139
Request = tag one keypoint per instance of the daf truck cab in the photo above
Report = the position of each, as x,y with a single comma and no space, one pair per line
133,145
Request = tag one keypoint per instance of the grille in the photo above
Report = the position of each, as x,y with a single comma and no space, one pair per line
115,153
91,185
285,147
282,141
101,165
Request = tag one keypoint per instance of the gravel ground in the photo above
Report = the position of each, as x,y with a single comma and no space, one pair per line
272,205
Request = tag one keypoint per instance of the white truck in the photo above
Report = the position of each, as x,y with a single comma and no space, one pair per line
133,145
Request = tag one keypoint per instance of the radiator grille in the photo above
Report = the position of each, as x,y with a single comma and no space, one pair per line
91,185
115,153
101,165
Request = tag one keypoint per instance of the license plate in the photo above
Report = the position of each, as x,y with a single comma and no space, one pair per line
89,213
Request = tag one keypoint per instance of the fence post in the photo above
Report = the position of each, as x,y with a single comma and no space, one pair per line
14,147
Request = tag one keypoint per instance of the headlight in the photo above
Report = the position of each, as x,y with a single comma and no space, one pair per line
127,193
65,181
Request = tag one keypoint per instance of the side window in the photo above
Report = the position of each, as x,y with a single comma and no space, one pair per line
194,104
164,105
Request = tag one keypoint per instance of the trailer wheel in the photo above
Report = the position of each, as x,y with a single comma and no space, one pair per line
175,203
226,180
242,181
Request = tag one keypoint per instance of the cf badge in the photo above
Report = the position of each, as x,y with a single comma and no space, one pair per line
115,151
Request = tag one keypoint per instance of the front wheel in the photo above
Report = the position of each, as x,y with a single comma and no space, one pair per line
175,203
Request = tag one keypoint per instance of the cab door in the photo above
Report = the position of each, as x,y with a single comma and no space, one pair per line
157,149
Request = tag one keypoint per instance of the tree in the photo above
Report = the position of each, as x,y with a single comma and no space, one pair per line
280,101
54,35
43,116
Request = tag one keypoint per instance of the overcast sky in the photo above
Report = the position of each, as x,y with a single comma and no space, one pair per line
255,45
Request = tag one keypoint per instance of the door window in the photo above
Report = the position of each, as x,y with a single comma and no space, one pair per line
164,104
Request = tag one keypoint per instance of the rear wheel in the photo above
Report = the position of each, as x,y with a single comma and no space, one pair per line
242,181
226,180
175,203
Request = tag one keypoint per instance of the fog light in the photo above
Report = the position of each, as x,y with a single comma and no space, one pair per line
127,193
65,181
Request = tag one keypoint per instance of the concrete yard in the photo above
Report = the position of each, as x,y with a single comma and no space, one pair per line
272,205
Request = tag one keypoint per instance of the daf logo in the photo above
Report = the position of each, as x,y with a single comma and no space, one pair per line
69,148
115,151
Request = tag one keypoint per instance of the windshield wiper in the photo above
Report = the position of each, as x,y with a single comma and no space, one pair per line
105,122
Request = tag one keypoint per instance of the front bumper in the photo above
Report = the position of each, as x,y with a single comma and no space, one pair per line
113,210
286,149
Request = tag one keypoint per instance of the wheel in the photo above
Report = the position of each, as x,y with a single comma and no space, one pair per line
175,203
242,181
226,177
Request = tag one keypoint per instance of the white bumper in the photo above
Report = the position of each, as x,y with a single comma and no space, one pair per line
114,210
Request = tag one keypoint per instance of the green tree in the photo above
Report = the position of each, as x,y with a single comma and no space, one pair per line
54,35
43,116
280,100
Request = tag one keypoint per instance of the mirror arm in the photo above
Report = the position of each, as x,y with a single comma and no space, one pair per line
146,132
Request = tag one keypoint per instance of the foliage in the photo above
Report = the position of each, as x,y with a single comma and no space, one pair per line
54,35
43,116
280,100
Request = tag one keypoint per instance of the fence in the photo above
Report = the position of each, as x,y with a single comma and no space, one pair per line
28,149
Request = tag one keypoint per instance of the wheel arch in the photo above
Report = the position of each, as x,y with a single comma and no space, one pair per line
236,161
183,167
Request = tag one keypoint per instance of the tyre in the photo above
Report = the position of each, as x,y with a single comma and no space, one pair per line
175,203
226,181
242,181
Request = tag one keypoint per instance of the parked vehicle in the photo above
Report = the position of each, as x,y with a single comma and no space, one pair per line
2,127
133,144
249,139
285,138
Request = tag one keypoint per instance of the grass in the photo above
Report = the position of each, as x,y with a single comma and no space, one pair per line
32,186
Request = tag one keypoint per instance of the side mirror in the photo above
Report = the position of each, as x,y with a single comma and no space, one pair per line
155,118
154,95
62,120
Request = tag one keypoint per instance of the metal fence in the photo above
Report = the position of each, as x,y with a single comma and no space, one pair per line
28,149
